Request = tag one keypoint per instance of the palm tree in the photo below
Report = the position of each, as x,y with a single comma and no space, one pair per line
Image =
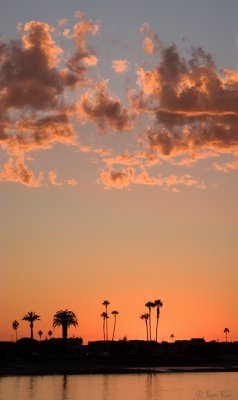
157,303
50,333
15,325
114,313
150,305
104,315
106,304
65,318
145,317
40,333
31,317
172,337
226,331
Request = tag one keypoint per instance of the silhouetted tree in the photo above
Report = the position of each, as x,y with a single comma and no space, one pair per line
172,337
106,304
114,313
65,319
15,326
226,331
145,317
31,317
157,304
40,333
104,316
50,333
149,305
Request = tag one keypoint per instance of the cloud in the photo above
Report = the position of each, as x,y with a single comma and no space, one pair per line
120,66
151,42
53,179
62,21
124,178
117,179
104,109
71,182
17,171
226,166
191,106
181,110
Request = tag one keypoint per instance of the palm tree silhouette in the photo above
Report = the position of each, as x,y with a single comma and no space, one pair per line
226,331
149,305
106,304
50,333
145,317
157,303
172,337
15,325
114,313
31,317
65,319
40,333
104,316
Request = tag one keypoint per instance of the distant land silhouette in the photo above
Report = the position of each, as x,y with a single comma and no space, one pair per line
71,355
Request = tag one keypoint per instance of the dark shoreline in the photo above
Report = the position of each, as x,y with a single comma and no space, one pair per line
83,367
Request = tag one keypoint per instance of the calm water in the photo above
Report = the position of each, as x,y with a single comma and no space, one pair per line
180,386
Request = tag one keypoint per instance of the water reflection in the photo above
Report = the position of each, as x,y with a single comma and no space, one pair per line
105,383
31,387
64,388
186,386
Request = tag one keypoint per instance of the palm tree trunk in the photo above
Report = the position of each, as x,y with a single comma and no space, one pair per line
114,327
106,326
31,326
16,335
146,330
150,322
104,329
157,322
64,332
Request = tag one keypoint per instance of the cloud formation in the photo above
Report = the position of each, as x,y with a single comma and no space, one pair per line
193,108
179,111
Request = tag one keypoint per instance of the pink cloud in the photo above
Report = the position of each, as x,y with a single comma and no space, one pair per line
120,66
17,171
53,179
151,42
71,182
104,109
124,178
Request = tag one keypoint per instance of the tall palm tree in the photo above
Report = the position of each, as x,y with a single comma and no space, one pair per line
172,337
145,317
104,316
50,333
157,303
114,313
15,325
31,317
40,333
106,304
149,305
65,319
226,331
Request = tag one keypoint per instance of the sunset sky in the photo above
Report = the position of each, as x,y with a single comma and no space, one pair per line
118,164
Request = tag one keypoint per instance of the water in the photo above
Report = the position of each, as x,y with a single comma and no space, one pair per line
179,386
